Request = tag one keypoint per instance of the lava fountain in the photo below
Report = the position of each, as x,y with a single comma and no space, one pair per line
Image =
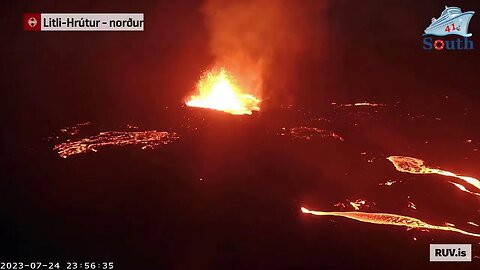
218,90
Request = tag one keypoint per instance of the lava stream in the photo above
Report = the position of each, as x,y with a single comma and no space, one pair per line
217,90
147,139
388,219
462,188
417,166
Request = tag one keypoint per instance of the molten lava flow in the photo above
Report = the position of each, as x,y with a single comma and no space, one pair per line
147,139
473,224
417,166
218,91
388,219
462,188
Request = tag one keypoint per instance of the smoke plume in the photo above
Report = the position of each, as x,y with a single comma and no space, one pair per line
251,38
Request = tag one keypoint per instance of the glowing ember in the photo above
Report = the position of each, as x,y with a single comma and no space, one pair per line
388,183
73,130
356,205
307,133
147,139
218,91
411,205
360,104
417,166
388,219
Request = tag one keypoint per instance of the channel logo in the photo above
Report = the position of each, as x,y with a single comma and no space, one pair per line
32,21
452,22
450,252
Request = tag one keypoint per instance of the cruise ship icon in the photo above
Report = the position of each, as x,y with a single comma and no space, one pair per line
452,21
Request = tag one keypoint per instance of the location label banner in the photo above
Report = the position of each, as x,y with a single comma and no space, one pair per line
83,22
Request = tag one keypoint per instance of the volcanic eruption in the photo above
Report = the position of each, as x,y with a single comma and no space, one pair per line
218,90
253,45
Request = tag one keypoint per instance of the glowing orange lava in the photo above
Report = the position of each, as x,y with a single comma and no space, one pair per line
217,90
417,166
388,219
357,204
462,188
370,104
307,133
147,139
